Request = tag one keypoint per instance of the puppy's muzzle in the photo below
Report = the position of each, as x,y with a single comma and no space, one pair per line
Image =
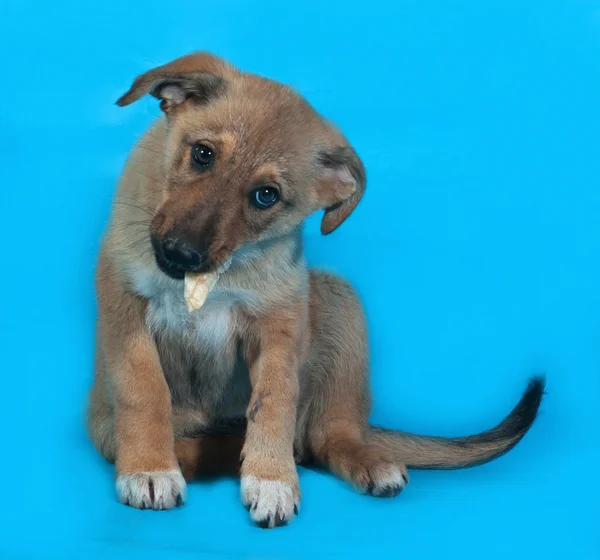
175,256
180,254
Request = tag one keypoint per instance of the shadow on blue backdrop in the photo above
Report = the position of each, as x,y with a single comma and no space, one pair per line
476,252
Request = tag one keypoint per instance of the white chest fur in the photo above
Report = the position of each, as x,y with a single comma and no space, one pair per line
210,327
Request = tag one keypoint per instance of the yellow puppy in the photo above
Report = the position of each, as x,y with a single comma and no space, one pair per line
272,356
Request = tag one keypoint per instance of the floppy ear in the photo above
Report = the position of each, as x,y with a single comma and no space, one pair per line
199,76
342,185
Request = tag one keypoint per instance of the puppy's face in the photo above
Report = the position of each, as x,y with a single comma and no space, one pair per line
247,160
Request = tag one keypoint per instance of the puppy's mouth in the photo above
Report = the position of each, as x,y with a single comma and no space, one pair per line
170,270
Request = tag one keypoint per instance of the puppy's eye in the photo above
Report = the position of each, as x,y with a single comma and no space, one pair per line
202,156
264,197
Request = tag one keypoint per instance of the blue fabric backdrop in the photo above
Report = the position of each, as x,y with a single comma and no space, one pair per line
476,251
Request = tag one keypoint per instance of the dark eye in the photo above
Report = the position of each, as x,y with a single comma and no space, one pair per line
264,197
202,156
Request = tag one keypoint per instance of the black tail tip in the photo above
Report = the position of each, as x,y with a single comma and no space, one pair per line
536,389
525,413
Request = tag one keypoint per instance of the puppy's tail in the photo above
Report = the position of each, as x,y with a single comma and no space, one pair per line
428,452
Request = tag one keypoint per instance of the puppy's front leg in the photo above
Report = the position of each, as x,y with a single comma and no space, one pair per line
148,475
269,484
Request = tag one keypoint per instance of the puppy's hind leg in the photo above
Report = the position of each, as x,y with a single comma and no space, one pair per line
101,413
337,405
101,425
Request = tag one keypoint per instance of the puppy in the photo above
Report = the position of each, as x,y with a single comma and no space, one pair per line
273,369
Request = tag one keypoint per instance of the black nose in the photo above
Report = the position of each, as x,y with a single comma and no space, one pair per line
180,254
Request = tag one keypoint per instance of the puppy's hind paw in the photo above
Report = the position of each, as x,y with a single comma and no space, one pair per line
381,479
387,481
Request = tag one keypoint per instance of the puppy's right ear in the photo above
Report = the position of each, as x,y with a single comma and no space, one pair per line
198,76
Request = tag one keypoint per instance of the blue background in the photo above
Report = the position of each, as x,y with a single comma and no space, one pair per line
476,250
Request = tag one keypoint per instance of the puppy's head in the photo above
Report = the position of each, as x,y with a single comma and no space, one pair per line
247,160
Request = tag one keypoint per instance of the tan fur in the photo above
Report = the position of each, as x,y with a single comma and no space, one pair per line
275,343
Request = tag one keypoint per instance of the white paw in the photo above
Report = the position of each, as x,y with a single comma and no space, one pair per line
388,481
271,503
152,490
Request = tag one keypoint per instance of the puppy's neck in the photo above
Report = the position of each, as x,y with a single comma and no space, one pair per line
257,272
285,250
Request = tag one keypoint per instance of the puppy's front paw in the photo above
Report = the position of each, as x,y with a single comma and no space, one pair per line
271,502
152,490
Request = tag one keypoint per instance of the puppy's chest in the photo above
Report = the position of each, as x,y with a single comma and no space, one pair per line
211,330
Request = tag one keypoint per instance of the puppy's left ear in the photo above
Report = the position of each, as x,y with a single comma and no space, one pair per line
342,185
